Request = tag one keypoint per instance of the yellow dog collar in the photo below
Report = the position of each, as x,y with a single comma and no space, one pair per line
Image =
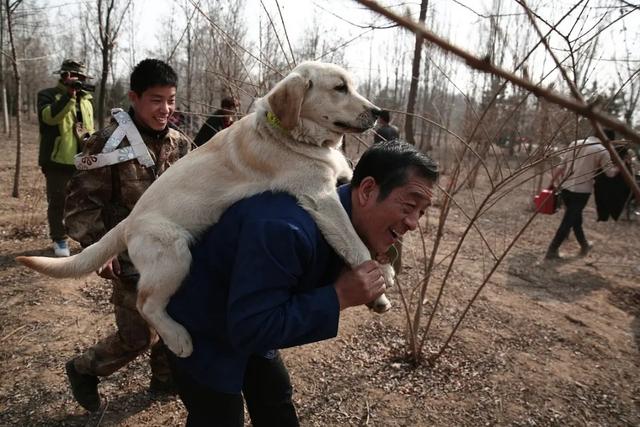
274,121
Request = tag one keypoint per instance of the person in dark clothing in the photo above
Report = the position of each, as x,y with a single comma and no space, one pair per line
221,119
612,194
264,278
65,117
385,131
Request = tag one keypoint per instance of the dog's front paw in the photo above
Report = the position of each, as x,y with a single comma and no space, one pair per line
179,342
389,274
380,304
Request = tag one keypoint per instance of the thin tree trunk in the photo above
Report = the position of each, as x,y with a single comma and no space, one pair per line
108,28
415,78
16,176
3,83
16,74
103,87
189,67
5,109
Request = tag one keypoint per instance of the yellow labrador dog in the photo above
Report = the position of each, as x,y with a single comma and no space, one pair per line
288,144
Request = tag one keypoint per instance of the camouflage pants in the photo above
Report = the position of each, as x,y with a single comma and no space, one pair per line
132,338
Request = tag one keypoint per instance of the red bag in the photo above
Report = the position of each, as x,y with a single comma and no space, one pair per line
546,202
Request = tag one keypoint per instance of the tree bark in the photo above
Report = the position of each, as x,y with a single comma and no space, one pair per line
3,83
109,27
5,109
103,86
16,74
415,77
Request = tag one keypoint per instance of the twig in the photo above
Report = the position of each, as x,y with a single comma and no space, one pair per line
186,28
406,305
366,421
104,410
286,35
275,31
13,332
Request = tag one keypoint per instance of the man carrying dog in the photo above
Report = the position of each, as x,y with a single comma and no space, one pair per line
116,166
65,117
264,278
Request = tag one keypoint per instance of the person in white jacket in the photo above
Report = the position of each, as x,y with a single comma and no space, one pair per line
583,159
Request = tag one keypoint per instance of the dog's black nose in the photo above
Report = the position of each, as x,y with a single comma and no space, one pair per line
376,112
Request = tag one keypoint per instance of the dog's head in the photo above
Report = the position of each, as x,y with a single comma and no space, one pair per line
317,103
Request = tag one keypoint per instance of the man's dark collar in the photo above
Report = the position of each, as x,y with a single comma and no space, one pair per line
344,193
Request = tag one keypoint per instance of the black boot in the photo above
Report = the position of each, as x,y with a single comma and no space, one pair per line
160,387
84,388
585,248
553,253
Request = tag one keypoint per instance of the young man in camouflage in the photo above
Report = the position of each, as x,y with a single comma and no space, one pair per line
101,194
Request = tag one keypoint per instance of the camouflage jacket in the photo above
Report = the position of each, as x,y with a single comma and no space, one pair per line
98,199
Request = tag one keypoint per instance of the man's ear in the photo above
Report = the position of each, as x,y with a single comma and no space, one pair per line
367,191
133,97
285,100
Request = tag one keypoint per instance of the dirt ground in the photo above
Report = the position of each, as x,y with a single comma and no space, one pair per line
545,344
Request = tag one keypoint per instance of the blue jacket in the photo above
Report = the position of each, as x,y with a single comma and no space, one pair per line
260,280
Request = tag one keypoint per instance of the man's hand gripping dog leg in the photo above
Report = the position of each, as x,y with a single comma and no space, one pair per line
360,285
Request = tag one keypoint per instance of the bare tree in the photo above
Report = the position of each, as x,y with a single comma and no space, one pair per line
3,83
110,17
10,10
415,77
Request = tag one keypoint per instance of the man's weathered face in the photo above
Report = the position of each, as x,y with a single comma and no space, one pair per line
381,222
154,106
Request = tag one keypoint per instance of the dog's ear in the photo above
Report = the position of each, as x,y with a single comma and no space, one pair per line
285,100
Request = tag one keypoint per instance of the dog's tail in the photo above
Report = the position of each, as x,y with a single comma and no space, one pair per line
90,259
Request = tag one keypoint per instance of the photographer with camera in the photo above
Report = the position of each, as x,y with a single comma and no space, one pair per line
65,116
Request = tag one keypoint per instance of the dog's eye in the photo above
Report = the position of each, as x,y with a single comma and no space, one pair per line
341,88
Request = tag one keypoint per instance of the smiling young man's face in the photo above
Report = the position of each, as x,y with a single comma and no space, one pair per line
154,106
380,223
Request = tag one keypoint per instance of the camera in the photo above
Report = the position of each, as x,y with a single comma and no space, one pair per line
80,85
77,84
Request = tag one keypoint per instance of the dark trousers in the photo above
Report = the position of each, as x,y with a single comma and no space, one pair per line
572,219
56,179
267,391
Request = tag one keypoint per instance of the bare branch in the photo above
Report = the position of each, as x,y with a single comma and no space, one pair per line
286,35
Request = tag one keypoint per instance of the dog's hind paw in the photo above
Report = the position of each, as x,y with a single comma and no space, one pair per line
180,343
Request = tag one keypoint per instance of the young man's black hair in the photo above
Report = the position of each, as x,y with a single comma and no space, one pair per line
152,72
228,103
385,116
390,163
